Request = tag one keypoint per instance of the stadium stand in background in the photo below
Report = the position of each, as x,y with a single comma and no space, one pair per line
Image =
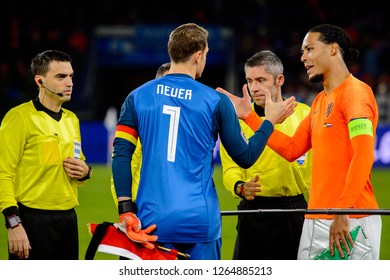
257,24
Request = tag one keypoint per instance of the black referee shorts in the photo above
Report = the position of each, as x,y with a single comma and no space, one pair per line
269,236
53,234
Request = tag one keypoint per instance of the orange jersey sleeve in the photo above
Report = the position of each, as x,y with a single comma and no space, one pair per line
288,147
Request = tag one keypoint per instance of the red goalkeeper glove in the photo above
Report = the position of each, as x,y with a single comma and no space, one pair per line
131,226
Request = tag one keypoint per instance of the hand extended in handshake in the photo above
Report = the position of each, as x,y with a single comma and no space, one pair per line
275,112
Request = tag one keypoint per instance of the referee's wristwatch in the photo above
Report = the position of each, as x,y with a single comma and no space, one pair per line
239,188
12,221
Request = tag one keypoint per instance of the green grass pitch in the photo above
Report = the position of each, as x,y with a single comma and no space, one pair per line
97,205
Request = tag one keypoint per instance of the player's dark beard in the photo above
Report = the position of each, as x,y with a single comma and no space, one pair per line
319,78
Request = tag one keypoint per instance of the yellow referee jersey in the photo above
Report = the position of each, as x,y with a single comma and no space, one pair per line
32,147
278,177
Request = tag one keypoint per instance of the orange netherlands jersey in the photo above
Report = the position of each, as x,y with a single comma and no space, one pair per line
341,170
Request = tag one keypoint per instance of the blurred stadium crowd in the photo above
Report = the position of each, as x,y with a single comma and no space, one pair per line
278,25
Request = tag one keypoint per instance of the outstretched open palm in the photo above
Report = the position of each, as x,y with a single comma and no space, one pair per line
275,112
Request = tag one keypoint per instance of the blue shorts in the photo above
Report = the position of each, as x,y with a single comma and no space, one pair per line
197,251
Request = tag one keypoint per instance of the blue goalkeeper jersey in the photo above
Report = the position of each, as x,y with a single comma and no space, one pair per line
178,120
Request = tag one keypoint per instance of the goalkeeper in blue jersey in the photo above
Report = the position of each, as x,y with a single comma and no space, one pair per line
42,165
178,120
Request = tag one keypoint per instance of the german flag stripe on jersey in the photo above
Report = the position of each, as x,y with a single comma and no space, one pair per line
126,132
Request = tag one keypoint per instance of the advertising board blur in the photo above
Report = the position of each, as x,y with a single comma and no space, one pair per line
143,44
382,147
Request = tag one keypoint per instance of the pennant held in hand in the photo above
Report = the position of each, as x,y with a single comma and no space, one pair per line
106,238
320,247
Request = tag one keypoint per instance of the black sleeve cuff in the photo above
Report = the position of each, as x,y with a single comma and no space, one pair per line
127,206
12,210
88,175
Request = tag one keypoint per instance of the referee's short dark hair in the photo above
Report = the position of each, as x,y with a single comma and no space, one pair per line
41,62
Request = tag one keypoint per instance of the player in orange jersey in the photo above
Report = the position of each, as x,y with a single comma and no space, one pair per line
340,130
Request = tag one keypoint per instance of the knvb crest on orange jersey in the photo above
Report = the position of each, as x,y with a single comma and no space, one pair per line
329,109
